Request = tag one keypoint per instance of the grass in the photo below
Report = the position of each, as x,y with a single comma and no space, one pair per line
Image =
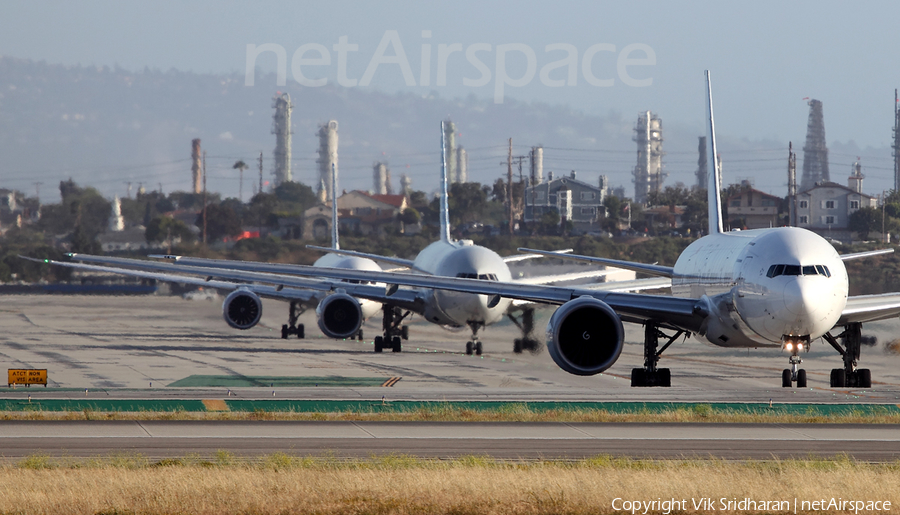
282,483
512,412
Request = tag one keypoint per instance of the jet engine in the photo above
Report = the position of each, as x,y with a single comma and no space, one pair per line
340,316
585,336
242,309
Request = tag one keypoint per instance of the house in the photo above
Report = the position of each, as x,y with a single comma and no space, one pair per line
359,212
574,200
755,209
826,208
664,216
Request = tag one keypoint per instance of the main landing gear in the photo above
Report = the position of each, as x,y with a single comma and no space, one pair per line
849,376
393,331
525,323
795,373
292,327
650,375
474,346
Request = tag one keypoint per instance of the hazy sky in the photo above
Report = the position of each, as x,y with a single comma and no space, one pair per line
765,56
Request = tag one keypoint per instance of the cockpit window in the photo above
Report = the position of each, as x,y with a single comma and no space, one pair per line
776,270
483,277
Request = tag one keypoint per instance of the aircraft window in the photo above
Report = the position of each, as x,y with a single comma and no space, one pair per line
776,270
810,270
771,272
827,271
792,270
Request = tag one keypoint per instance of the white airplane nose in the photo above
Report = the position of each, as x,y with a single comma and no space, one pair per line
802,296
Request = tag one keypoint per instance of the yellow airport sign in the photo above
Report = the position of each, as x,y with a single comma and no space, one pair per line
27,376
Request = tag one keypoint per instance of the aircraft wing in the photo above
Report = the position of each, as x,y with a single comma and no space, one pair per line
868,253
681,313
649,283
522,257
559,278
304,295
657,270
406,299
866,308
406,263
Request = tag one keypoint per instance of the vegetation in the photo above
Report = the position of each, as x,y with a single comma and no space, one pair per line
222,483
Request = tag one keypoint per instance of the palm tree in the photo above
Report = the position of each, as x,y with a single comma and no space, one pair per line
241,166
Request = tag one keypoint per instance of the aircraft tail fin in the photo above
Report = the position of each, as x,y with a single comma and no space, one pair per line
714,189
335,239
445,208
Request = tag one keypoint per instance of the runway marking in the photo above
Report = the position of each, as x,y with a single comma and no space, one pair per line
215,405
391,382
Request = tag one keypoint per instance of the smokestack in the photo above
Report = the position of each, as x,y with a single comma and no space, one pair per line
195,166
328,155
815,152
537,165
462,165
282,130
405,184
379,179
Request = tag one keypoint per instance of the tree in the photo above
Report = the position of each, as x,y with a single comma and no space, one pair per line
864,221
162,228
221,222
295,196
240,166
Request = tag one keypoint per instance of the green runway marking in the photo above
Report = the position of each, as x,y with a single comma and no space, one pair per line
378,406
276,381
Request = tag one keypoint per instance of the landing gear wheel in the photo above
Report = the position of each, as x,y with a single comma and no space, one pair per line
359,335
801,378
284,332
864,378
786,378
838,378
658,377
517,346
404,332
301,332
395,344
478,348
379,344
469,348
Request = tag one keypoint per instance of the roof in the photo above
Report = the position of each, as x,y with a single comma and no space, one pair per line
829,184
753,190
394,200
665,210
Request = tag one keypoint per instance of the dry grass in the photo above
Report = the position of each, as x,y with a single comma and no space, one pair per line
510,413
398,484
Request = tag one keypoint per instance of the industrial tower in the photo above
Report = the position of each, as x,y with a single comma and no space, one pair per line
450,150
648,174
328,156
381,179
702,170
462,165
281,127
815,153
537,165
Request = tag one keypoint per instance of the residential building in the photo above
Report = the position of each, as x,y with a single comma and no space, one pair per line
359,212
826,208
574,200
753,209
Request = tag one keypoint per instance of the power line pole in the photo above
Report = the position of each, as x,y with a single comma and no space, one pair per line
204,197
509,194
37,190
260,172
896,142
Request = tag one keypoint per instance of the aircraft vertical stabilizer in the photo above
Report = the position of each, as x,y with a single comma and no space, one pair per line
714,195
445,209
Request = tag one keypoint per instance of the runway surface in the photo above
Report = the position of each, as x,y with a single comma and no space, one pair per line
125,348
161,439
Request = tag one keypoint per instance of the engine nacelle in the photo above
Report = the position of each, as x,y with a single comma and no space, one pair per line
242,309
585,336
340,316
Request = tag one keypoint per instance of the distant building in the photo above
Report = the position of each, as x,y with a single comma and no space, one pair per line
665,216
358,212
574,200
757,210
826,208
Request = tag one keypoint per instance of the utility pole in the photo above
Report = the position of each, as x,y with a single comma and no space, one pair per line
792,185
128,183
37,190
260,172
883,202
509,192
204,197
896,142
519,160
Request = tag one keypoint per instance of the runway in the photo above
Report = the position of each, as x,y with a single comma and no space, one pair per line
164,348
509,441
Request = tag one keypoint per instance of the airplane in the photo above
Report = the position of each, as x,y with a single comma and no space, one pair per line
781,287
444,258
242,308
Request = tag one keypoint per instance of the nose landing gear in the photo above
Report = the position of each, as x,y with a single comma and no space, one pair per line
292,327
474,346
394,333
795,373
